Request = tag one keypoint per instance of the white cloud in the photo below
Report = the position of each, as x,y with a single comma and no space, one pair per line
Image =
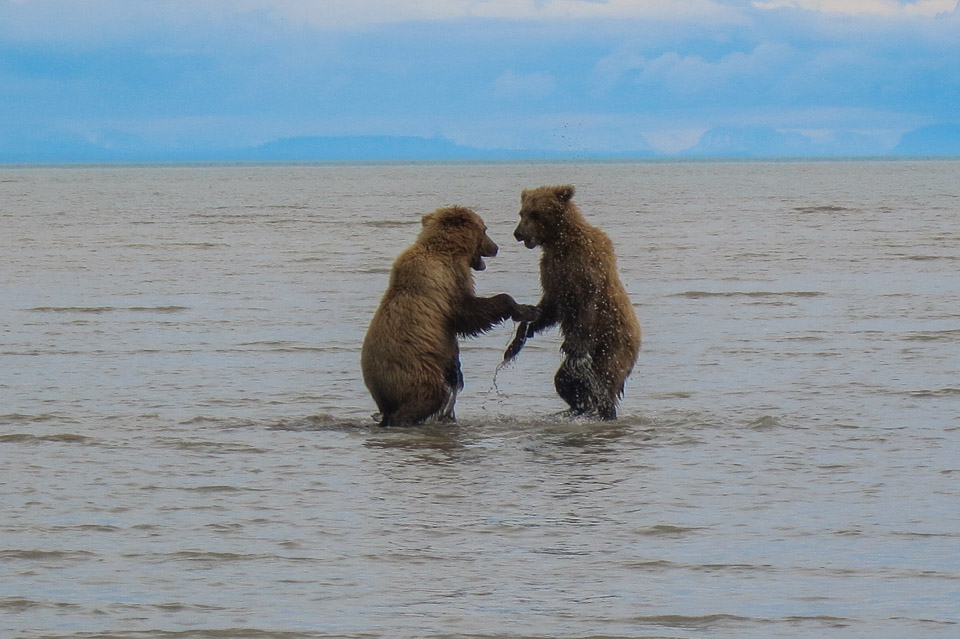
104,20
691,75
99,21
923,8
347,13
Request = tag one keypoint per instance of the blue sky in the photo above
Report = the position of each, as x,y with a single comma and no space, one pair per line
568,76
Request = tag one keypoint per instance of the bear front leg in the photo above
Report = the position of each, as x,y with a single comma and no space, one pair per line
526,330
476,315
523,331
549,316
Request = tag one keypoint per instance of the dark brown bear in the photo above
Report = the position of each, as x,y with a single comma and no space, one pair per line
410,357
582,292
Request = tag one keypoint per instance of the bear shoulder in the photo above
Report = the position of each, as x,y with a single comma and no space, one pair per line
420,272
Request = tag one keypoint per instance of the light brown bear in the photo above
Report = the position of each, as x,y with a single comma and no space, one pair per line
410,357
582,292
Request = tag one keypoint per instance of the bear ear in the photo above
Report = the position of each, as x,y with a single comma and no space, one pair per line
426,219
524,194
454,216
565,192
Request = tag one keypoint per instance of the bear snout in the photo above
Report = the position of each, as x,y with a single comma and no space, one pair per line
527,239
488,248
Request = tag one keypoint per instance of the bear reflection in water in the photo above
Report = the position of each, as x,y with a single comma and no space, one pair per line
410,357
582,293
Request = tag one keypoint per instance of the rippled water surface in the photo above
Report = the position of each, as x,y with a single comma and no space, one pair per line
187,448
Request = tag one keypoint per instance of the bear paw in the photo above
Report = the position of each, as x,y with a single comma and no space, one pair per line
525,313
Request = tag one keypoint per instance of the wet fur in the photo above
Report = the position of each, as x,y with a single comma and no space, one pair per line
410,357
582,293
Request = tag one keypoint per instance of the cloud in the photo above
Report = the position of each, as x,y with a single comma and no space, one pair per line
99,20
922,8
570,74
673,76
339,13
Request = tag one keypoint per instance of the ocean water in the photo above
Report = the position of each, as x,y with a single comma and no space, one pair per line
187,448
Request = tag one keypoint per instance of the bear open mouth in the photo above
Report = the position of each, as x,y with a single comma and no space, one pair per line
477,263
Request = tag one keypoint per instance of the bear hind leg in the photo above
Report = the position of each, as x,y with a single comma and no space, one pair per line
607,409
575,384
416,410
578,384
454,384
446,410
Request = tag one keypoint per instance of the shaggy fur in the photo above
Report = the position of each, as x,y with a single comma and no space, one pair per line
582,292
410,357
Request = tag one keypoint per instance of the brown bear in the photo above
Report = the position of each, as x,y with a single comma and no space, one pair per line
582,292
410,357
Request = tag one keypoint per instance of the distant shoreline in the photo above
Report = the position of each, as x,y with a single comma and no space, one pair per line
467,162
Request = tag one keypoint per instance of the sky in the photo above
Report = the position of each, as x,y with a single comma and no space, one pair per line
170,78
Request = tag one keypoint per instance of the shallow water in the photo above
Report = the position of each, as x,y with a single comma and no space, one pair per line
188,450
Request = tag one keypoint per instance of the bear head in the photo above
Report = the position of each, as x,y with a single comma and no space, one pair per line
458,231
542,214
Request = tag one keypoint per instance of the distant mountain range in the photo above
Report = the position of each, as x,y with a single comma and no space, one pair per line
941,140
367,148
723,142
755,142
363,148
390,148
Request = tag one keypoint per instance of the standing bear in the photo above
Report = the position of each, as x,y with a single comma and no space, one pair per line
410,357
582,292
